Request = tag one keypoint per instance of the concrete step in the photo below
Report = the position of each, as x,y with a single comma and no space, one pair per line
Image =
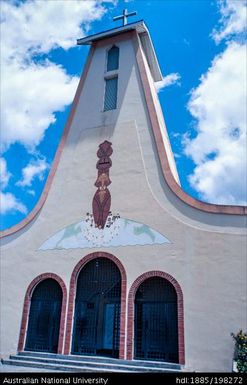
93,365
99,359
50,367
87,364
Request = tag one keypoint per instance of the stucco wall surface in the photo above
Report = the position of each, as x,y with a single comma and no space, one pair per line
207,251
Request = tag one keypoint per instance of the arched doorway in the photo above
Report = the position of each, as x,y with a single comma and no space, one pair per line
96,329
155,321
44,317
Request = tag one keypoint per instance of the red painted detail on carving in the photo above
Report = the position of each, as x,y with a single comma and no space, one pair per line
72,293
26,308
105,150
101,207
102,198
180,309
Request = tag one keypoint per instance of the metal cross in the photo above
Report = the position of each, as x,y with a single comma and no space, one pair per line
125,16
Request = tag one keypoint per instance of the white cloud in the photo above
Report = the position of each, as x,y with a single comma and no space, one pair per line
34,169
31,192
219,149
4,174
31,95
167,81
33,91
233,19
8,203
39,26
218,105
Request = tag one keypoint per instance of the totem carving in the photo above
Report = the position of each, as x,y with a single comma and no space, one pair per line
102,228
102,197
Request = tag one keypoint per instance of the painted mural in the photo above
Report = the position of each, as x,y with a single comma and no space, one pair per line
102,227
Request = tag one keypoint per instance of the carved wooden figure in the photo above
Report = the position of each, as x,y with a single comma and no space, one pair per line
102,197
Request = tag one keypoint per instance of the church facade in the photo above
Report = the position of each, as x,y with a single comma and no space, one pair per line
116,259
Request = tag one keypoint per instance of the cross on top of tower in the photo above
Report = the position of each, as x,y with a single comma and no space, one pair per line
125,16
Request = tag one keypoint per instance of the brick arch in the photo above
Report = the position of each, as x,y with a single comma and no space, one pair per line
72,293
180,307
26,309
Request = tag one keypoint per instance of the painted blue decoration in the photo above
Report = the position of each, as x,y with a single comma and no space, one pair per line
120,232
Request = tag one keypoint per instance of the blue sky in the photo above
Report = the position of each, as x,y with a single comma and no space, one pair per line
200,46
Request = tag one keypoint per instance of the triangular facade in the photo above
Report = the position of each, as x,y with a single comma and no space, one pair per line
116,259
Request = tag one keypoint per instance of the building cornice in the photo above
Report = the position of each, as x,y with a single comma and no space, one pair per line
142,30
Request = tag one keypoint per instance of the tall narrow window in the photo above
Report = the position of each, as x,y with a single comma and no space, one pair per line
111,86
113,59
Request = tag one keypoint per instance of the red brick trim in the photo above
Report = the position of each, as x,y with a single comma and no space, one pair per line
166,170
130,325
26,308
56,160
72,293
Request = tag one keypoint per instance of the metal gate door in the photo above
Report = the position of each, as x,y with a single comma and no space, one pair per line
97,309
44,317
156,336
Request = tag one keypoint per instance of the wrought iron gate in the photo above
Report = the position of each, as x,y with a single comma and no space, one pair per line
97,309
156,336
44,317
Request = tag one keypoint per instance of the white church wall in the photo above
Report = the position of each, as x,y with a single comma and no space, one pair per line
206,253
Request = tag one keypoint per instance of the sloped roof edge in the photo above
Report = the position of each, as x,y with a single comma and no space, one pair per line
146,40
